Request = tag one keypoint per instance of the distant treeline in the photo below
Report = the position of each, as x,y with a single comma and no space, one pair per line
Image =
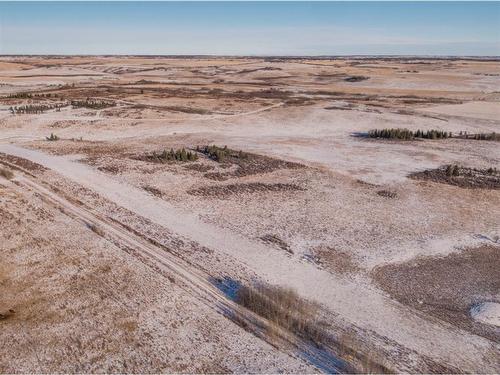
33,109
27,95
406,134
92,103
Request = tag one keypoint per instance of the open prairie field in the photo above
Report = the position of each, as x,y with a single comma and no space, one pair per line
220,214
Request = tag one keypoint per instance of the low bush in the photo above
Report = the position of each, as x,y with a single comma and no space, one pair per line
6,173
52,137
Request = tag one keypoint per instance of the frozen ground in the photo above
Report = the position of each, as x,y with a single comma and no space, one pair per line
357,236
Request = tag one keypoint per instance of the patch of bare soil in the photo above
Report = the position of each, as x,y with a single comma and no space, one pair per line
224,191
447,287
469,178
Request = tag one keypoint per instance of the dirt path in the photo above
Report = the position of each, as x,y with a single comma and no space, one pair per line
360,305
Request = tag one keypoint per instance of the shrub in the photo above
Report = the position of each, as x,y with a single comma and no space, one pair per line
6,173
52,137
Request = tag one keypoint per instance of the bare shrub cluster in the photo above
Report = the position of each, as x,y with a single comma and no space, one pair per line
470,178
6,173
283,307
52,137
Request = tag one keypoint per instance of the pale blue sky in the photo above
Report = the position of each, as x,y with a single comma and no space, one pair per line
250,28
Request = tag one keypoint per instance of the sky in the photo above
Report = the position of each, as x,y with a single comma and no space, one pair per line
251,28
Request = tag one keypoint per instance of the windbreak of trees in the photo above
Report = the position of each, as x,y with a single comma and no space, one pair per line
92,103
27,95
406,134
34,109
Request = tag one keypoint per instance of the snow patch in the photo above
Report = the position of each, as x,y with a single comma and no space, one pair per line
486,312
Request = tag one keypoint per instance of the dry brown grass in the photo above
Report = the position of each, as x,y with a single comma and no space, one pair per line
6,173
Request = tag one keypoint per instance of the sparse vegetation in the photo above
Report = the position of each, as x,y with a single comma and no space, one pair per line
223,191
246,163
52,137
219,154
6,173
471,178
